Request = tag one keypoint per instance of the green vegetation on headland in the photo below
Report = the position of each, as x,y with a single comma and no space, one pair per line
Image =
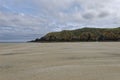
84,34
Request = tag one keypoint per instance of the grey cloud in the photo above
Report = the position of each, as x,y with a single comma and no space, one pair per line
17,26
55,15
103,14
89,16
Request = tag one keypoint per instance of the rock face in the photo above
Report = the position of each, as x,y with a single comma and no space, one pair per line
84,34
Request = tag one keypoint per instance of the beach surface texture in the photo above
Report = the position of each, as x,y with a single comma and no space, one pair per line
60,61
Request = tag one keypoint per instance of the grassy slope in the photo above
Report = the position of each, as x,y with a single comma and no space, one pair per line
84,34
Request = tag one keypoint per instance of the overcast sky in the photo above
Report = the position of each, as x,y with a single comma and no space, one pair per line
22,20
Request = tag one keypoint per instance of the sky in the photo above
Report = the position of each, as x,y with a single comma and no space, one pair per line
24,20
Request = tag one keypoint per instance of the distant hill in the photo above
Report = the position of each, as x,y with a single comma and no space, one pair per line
84,34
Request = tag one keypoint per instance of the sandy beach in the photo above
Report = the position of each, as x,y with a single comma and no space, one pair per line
60,61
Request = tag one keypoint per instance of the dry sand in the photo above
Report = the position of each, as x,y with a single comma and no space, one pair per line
60,61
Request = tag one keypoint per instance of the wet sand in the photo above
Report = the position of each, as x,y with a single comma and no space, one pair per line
60,61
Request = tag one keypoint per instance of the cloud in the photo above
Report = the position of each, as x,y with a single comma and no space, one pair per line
34,18
14,26
81,11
